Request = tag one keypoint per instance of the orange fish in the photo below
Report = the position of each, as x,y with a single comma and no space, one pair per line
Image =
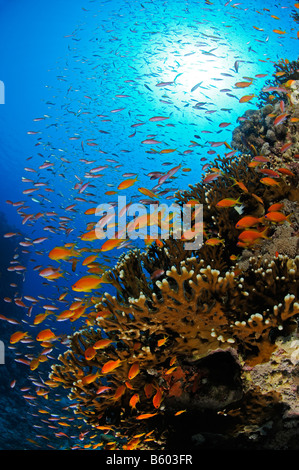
60,252
102,389
90,353
214,241
242,84
275,207
127,183
279,119
111,244
286,147
46,335
89,236
134,400
110,366
240,184
278,31
258,198
134,370
167,151
269,172
18,336
162,341
211,177
119,392
247,222
246,98
89,260
146,415
251,236
88,379
90,211
228,202
285,171
277,217
40,318
269,181
102,343
87,283
147,192
157,398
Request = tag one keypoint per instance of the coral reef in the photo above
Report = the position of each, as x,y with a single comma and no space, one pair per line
196,343
259,134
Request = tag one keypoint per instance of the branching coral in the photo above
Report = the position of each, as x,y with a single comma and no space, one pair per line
153,342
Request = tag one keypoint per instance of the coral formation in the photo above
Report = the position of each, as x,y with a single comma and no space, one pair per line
156,352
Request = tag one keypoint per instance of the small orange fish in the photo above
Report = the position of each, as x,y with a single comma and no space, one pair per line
89,260
90,353
247,222
228,202
167,151
279,119
90,211
102,343
18,336
251,236
89,236
258,199
277,217
111,244
253,164
46,335
127,183
62,253
88,379
147,192
146,415
240,184
286,147
40,318
275,207
261,158
87,283
269,181
246,98
214,241
134,370
242,84
269,172
157,398
211,177
285,171
110,366
119,392
134,400
180,412
278,31
162,341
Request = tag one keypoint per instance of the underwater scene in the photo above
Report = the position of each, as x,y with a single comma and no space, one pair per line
149,225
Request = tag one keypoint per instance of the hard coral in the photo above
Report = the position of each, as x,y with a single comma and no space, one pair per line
195,311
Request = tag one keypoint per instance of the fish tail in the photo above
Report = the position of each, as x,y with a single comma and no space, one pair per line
264,233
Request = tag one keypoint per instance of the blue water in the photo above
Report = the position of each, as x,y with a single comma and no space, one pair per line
82,72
